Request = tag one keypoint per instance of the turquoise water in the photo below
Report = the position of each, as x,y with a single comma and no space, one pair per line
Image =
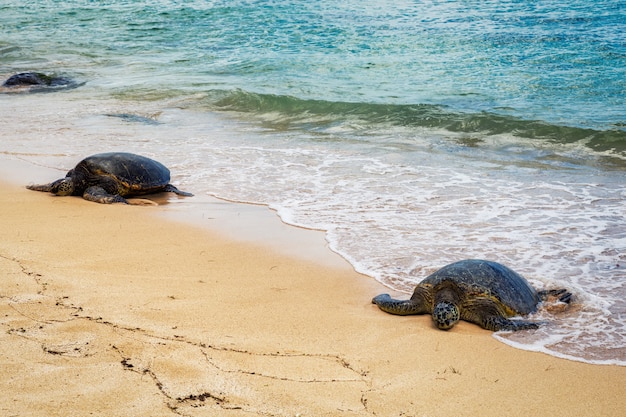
415,133
558,62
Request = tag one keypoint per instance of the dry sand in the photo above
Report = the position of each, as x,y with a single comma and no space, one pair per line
117,311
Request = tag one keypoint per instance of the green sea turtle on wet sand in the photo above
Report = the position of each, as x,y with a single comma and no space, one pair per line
481,292
110,177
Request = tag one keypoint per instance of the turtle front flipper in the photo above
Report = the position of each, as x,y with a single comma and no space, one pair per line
491,315
46,188
498,323
100,195
398,307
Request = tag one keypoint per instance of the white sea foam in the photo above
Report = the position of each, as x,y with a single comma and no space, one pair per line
397,206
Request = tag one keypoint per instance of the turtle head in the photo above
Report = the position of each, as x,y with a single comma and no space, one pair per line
64,186
445,315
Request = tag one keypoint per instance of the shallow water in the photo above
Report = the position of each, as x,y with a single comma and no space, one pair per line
414,133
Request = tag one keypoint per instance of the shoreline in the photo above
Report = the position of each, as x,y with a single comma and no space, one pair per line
243,222
107,311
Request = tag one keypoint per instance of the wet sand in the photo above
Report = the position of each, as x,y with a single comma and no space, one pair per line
128,311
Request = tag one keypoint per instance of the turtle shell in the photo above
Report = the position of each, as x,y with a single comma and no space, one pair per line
39,81
479,278
136,173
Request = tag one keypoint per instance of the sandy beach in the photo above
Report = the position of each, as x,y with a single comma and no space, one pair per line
128,311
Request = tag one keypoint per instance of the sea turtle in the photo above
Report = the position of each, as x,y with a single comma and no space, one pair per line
38,81
109,177
481,292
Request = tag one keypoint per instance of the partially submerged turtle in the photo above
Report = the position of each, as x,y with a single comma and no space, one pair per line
481,292
38,81
109,177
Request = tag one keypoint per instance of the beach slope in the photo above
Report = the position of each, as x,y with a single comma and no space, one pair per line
113,311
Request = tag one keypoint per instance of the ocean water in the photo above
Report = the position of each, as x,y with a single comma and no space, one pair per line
414,133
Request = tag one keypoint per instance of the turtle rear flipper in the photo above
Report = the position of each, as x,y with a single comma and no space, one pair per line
172,189
100,195
141,202
560,294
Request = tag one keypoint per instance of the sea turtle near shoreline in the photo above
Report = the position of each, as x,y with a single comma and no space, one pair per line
110,177
481,292
38,81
